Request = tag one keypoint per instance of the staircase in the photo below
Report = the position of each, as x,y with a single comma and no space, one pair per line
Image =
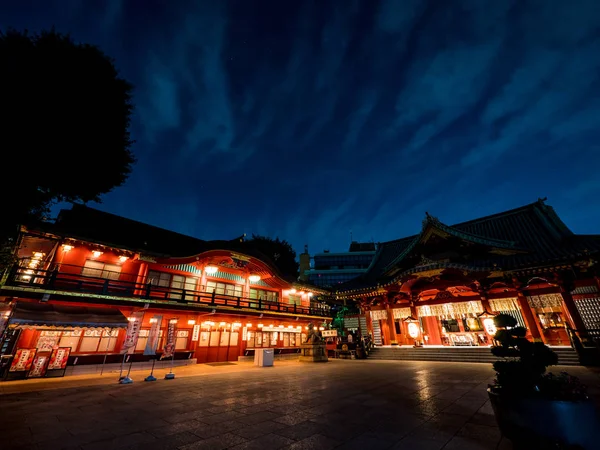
566,355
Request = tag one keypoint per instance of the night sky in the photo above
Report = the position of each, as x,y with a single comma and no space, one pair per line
310,119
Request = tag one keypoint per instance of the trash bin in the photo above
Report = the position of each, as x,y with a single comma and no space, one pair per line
267,357
263,357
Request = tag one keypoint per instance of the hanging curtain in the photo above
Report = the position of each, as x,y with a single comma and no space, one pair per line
379,315
451,309
545,301
401,313
504,304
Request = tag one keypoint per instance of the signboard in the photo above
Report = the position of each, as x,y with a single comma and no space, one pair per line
351,323
153,335
244,334
329,333
23,360
59,358
38,368
195,333
133,332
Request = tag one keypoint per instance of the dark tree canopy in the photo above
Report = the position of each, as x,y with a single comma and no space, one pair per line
65,124
279,251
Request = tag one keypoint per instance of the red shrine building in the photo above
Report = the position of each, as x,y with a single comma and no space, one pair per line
443,286
79,283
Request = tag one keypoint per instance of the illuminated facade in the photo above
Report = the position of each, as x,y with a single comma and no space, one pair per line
79,284
444,285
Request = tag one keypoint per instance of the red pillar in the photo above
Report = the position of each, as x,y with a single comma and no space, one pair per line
530,320
391,325
575,319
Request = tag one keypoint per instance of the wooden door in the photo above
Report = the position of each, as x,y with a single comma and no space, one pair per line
213,346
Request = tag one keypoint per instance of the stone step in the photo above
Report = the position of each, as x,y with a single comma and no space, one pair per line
566,356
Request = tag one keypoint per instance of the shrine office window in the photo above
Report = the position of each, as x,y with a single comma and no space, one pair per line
268,296
235,290
99,269
162,279
295,300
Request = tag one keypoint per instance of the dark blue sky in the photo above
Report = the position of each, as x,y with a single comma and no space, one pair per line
309,119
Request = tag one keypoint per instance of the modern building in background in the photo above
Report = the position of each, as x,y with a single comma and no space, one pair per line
329,270
84,284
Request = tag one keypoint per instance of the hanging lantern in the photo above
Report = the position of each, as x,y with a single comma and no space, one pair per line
413,327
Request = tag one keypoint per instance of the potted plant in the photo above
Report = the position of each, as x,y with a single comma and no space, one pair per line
535,409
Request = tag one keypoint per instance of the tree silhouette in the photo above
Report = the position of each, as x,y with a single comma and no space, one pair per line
65,125
279,251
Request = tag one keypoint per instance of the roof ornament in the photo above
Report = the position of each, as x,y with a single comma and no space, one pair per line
430,219
542,200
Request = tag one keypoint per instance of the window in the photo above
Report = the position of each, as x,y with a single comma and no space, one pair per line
70,339
87,340
143,339
235,290
268,296
295,300
181,342
98,341
162,279
101,270
177,282
187,283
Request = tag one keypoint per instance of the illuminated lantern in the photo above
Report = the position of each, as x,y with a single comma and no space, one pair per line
489,326
487,319
413,327
413,330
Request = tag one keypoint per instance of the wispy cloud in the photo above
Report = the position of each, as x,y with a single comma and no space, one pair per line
311,119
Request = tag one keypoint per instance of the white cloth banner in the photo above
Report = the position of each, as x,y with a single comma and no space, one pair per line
152,342
133,332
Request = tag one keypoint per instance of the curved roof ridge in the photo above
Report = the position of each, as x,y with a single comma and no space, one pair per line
500,214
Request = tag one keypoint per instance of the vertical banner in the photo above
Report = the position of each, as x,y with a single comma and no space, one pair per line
153,335
133,331
5,311
196,333
169,349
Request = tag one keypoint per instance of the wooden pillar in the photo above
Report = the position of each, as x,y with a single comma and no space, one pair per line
530,320
203,279
485,302
366,311
141,279
391,324
575,319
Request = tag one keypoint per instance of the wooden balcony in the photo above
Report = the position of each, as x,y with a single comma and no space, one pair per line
69,279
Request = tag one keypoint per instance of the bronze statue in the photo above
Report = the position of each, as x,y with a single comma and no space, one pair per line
313,335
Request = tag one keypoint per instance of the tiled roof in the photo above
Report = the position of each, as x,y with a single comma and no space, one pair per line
534,229
92,225
98,226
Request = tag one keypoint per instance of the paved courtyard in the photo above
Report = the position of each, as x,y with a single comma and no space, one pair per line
342,404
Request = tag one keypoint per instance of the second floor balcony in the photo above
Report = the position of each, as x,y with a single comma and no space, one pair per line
75,279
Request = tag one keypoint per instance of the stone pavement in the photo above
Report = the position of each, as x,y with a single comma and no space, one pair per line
341,404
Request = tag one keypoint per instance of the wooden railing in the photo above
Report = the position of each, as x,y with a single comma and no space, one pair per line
63,280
